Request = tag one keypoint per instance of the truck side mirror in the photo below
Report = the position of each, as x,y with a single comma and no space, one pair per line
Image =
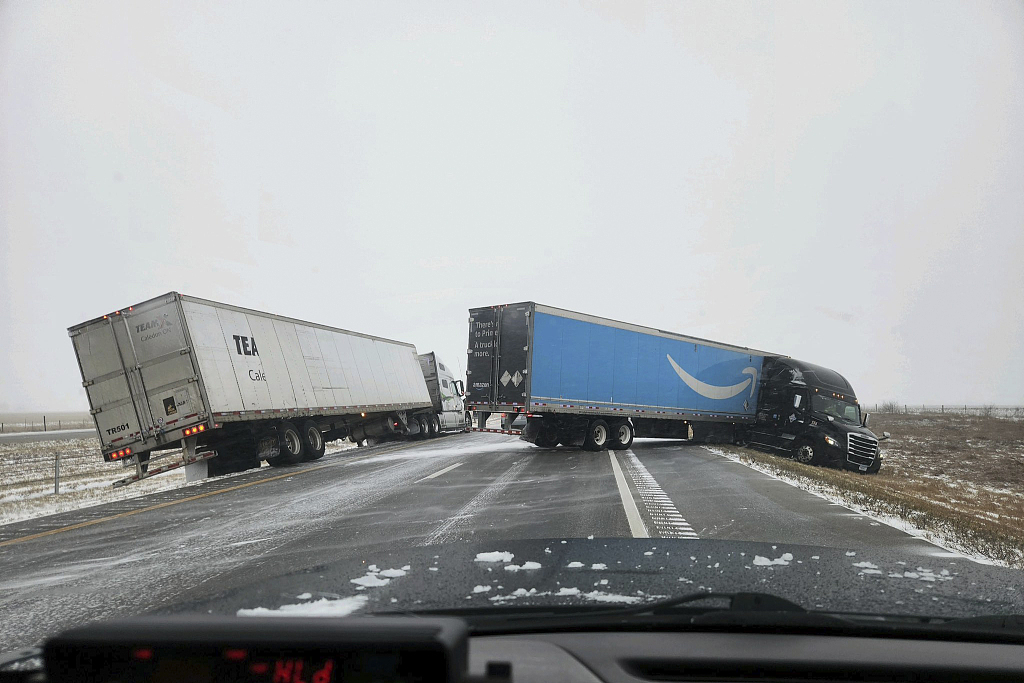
886,435
867,416
460,387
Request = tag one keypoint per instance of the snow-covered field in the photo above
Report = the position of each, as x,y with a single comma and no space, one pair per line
27,478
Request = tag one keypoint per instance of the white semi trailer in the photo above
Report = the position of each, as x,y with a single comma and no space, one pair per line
231,387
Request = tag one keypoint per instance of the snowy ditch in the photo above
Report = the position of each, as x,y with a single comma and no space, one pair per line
27,478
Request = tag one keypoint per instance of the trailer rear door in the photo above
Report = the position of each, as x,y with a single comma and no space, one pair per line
483,347
513,354
499,340
138,373
107,384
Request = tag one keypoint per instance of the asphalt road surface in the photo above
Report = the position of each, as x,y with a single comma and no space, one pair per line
137,555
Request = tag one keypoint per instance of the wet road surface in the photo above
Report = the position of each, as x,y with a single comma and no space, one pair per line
142,554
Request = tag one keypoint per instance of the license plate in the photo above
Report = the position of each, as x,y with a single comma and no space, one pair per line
863,468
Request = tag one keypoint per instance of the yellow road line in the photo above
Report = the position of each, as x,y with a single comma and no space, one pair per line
169,503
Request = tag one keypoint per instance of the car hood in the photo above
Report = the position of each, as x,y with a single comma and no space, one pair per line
615,571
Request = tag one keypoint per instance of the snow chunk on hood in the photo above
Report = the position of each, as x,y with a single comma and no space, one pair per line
319,608
481,589
392,573
497,556
574,565
370,581
524,565
765,562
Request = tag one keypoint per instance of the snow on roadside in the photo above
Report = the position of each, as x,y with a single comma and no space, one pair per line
26,478
832,495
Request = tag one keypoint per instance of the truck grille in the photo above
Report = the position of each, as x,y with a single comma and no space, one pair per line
860,449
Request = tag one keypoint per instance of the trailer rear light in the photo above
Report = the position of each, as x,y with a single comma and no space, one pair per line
194,430
123,453
202,428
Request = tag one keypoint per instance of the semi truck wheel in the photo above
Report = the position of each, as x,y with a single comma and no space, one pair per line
622,437
421,420
291,446
435,425
807,454
313,441
597,436
469,421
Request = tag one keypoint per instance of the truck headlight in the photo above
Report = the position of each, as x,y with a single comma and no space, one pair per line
830,441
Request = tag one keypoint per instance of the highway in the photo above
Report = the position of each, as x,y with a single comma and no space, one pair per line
150,552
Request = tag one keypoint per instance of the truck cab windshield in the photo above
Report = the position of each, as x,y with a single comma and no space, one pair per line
836,407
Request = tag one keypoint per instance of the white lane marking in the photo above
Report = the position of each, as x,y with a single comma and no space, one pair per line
449,529
439,472
667,521
636,524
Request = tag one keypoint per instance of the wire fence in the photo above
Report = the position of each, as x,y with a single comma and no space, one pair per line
44,425
896,408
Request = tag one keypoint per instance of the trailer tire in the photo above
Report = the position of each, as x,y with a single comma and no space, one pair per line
547,439
292,447
469,422
622,436
421,420
597,435
435,425
313,444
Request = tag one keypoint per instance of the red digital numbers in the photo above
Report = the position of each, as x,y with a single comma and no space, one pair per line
291,671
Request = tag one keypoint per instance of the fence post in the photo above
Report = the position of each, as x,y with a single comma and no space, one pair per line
56,473
905,411
44,423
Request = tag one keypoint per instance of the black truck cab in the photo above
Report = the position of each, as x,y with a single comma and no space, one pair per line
813,413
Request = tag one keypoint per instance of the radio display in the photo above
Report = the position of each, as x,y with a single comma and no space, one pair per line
365,650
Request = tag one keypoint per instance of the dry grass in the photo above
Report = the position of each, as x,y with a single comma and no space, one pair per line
959,478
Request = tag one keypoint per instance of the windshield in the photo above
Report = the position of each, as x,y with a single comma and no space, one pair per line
836,407
365,307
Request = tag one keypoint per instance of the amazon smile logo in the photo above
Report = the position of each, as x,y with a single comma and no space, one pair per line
710,390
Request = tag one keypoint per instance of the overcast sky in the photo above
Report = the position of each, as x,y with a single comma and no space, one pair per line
838,182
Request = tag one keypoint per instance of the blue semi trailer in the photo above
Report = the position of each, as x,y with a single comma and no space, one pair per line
592,382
